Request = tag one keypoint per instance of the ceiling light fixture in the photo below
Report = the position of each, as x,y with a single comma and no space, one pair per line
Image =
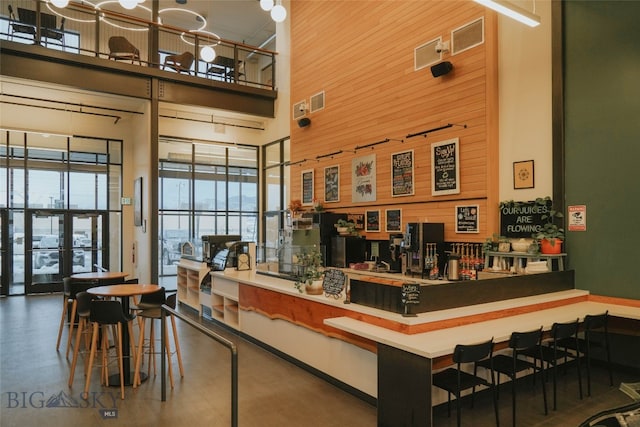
128,4
266,5
207,54
60,3
278,13
513,11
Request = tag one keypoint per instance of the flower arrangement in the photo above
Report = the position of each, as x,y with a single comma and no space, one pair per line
317,205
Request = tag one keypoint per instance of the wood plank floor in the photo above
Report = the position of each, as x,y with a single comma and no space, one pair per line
272,391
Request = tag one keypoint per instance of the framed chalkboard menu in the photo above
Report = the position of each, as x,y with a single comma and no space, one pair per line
307,187
402,173
372,221
333,282
394,220
467,219
445,167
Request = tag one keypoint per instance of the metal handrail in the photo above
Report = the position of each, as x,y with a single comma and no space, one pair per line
164,309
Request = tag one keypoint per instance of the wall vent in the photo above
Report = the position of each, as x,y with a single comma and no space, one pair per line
425,55
317,102
299,110
468,36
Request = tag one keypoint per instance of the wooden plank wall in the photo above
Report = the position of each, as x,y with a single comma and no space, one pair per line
361,54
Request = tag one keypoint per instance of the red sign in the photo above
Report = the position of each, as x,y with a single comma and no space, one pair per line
577,218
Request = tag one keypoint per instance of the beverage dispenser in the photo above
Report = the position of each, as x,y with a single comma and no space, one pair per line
416,238
395,245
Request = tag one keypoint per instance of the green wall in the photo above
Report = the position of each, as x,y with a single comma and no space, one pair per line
602,143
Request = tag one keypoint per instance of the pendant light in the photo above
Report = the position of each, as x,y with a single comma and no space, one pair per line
128,4
207,54
60,3
278,13
266,5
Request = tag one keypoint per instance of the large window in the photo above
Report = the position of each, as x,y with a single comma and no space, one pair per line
204,188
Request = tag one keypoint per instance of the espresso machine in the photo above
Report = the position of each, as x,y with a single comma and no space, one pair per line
415,241
395,248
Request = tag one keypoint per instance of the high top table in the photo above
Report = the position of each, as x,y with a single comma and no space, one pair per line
100,277
124,291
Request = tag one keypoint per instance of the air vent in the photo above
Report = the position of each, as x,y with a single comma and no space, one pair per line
426,54
299,110
317,102
467,36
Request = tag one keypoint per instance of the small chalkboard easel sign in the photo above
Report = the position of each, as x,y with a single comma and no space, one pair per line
410,295
333,282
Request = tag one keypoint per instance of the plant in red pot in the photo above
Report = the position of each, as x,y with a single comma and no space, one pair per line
551,235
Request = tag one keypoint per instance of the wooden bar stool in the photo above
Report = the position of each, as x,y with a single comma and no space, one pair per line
154,313
104,314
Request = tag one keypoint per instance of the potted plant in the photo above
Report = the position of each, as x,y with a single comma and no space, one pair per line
551,235
310,271
295,206
496,243
317,205
345,227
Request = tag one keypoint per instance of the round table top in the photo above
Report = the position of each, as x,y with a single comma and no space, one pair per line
99,275
123,290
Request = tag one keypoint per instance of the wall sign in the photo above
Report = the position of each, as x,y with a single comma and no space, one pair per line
394,220
467,218
332,184
307,187
522,219
402,173
523,174
357,219
372,220
333,282
410,294
445,167
363,179
577,219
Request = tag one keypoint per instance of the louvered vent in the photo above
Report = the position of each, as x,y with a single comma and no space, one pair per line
426,54
317,102
467,36
299,110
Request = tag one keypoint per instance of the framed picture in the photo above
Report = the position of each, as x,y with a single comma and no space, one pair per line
363,179
372,221
402,174
137,202
445,167
332,184
467,219
523,174
393,220
307,187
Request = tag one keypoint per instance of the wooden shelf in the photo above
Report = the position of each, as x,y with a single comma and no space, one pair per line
190,275
222,303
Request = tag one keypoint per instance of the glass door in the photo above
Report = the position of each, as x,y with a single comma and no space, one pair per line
4,256
88,235
44,255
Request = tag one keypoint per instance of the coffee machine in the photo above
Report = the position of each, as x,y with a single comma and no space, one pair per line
395,248
416,238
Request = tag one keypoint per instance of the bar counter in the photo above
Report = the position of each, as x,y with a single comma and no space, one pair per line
382,356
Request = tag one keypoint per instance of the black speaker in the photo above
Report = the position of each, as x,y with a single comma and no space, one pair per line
441,69
304,122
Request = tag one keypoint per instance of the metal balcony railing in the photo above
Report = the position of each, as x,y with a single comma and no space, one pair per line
85,30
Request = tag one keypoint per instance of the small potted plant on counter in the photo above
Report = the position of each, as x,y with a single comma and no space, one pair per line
345,228
551,235
496,243
310,271
295,207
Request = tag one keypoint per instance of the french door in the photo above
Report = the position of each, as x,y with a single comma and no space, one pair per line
62,243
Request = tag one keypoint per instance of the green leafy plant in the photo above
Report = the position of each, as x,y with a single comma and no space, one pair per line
309,267
493,242
551,230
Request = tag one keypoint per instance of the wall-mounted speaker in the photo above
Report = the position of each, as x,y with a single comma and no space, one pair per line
304,122
441,68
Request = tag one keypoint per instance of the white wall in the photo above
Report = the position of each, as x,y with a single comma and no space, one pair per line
525,101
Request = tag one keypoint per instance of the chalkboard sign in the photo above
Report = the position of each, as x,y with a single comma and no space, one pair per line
373,220
394,220
357,219
402,174
445,168
333,282
467,219
522,219
410,293
307,187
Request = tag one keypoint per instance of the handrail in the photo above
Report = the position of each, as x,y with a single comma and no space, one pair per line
164,309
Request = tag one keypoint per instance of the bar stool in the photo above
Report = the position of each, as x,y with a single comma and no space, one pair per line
66,300
83,310
551,353
154,313
105,313
510,365
455,380
594,324
74,287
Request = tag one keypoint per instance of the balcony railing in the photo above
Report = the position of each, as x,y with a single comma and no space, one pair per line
85,30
